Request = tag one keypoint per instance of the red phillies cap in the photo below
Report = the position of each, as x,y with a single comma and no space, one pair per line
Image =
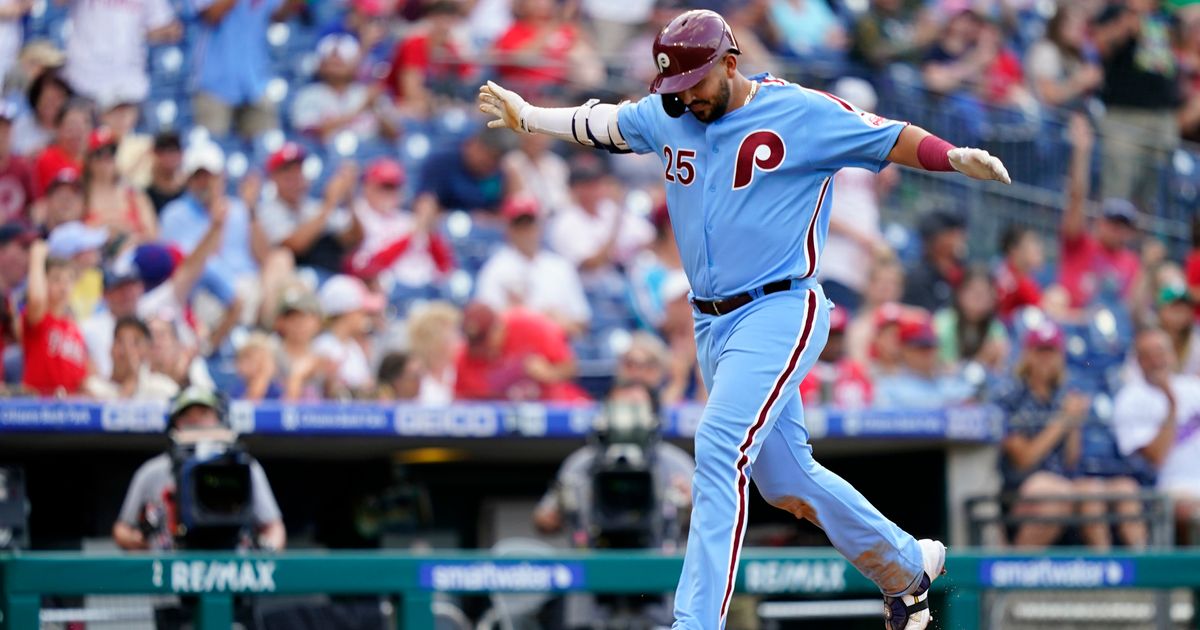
384,172
373,8
67,175
289,153
101,137
517,207
838,320
917,332
1045,335
888,314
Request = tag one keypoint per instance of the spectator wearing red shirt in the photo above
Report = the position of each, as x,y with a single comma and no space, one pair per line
399,247
837,380
517,355
55,355
1099,263
540,51
16,182
1015,286
73,127
428,60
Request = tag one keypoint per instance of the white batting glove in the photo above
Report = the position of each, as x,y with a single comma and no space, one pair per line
508,107
979,164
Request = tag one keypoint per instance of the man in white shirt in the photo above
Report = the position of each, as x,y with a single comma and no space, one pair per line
106,52
337,102
1158,417
595,232
521,273
318,232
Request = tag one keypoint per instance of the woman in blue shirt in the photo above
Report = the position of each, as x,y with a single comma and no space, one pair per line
1042,440
1043,444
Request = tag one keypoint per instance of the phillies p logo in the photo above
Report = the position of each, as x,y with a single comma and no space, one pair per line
760,150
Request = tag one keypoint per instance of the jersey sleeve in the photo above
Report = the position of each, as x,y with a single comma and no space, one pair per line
637,122
838,134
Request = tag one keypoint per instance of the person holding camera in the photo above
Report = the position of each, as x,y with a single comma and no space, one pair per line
626,489
149,517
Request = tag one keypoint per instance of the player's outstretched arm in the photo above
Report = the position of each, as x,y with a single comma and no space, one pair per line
918,148
593,124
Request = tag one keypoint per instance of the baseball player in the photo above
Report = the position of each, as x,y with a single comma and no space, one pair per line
748,163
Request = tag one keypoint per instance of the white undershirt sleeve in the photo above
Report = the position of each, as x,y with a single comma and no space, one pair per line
592,124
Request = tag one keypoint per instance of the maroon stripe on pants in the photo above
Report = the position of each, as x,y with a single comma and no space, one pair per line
744,455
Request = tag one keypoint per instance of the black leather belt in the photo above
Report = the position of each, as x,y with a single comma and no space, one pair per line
730,304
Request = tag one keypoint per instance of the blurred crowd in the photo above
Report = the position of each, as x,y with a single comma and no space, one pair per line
293,200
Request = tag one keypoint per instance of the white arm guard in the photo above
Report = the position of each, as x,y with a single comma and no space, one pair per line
593,124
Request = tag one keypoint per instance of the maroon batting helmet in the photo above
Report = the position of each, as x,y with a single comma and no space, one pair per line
688,47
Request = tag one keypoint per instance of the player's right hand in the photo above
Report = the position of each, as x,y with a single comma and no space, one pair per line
508,107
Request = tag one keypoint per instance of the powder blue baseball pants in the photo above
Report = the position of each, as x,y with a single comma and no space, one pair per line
753,360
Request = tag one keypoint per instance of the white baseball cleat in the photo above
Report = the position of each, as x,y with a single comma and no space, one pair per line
911,612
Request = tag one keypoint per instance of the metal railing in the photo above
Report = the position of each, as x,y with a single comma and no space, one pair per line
995,512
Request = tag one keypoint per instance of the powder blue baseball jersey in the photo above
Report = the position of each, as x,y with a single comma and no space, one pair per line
749,194
749,197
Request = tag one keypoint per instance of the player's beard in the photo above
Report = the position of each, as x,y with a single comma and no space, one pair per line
719,106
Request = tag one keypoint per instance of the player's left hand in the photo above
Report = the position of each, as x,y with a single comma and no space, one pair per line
978,164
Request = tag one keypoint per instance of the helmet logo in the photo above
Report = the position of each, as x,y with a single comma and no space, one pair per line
664,62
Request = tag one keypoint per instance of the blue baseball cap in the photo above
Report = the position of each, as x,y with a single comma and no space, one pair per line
17,231
73,237
1119,210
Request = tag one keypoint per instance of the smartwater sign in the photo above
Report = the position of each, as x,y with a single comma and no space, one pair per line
503,576
1056,573
795,576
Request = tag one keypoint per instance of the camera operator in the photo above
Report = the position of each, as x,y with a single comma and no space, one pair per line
626,489
150,508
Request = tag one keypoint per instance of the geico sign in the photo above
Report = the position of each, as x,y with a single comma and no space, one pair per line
447,422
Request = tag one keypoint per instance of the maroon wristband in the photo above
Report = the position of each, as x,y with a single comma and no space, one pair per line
934,154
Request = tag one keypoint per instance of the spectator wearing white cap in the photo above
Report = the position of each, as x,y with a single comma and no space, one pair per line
337,102
107,49
523,273
854,234
16,180
244,260
348,306
80,245
319,233
400,248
